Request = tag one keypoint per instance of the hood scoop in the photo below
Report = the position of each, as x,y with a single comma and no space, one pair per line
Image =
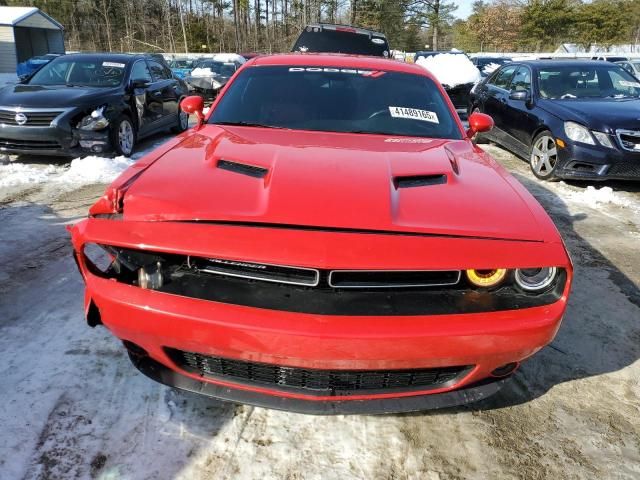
419,181
243,168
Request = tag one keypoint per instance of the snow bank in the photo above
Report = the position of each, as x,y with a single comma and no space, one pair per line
14,174
88,170
450,69
229,57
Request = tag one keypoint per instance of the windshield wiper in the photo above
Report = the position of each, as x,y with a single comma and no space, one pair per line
250,124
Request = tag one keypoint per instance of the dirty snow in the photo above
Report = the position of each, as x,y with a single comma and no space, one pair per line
13,174
201,72
594,197
450,70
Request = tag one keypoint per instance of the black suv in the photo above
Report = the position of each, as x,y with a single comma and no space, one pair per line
327,38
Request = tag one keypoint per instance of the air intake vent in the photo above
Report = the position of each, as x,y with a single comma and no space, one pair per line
420,181
243,168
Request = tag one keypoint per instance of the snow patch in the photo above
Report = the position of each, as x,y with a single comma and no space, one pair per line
450,69
229,58
201,72
490,68
14,174
88,170
594,197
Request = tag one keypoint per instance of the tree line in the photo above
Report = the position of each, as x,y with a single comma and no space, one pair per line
199,26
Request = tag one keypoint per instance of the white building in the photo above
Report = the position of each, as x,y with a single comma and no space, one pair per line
26,32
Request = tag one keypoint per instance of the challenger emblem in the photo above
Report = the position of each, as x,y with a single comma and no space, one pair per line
20,118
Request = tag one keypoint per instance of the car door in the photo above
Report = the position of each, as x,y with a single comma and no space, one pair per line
148,108
495,99
168,90
520,120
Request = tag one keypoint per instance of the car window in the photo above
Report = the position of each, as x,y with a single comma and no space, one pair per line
86,72
337,100
521,80
502,78
316,39
140,71
593,81
158,71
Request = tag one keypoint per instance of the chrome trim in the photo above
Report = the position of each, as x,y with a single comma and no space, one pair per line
396,285
631,133
252,277
27,110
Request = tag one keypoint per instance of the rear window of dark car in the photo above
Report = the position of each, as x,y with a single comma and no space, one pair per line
318,40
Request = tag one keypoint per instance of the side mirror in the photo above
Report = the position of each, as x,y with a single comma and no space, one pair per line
520,95
478,123
140,83
24,78
193,104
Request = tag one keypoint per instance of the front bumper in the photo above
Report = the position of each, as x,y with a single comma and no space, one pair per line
57,139
156,321
470,394
597,163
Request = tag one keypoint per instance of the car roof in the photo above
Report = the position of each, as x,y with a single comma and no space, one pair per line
559,63
338,26
115,57
338,60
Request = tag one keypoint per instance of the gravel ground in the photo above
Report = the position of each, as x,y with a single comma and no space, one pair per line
73,406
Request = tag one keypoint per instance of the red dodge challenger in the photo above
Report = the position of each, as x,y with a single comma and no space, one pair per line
327,240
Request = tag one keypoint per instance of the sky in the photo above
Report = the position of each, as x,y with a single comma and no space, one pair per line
464,8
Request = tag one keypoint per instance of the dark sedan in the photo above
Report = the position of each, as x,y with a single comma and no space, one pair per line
570,119
90,103
209,76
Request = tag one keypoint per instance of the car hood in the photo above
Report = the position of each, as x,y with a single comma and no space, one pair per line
35,96
602,114
335,181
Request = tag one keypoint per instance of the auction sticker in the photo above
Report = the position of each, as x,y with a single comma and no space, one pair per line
113,64
414,114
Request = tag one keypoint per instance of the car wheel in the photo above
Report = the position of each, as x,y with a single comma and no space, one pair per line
183,122
544,156
123,136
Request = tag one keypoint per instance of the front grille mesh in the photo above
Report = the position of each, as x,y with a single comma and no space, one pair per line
34,119
316,382
625,170
11,144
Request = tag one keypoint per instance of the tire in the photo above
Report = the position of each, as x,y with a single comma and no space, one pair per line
543,158
182,121
123,136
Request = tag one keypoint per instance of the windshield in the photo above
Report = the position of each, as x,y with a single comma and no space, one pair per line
80,72
592,81
221,68
337,100
337,41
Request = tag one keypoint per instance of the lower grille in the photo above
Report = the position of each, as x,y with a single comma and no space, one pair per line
316,382
10,144
625,170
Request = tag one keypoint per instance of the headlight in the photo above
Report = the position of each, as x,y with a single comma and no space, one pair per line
603,139
94,121
486,278
535,279
578,133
